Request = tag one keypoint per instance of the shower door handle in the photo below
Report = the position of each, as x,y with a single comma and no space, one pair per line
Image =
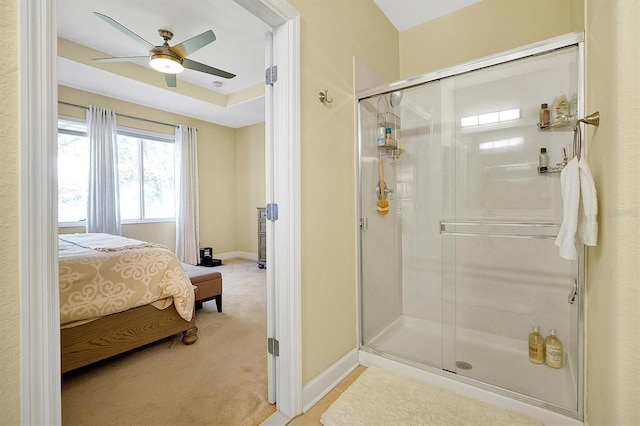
574,293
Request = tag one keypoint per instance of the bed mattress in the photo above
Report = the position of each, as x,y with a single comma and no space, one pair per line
102,274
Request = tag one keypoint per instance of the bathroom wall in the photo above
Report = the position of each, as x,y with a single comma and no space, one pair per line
332,33
9,221
482,29
613,275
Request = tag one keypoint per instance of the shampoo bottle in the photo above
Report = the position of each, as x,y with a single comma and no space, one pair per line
560,111
536,346
545,115
543,161
553,350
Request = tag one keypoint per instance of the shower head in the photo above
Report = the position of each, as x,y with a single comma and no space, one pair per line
395,98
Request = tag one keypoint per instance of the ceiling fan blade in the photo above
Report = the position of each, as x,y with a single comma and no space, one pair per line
124,29
171,80
123,59
187,47
193,65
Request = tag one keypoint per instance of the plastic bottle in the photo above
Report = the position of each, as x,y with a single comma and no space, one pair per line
545,115
380,137
573,105
553,352
543,161
536,346
560,110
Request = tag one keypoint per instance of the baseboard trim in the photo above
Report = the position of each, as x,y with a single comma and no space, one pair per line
324,382
240,254
276,419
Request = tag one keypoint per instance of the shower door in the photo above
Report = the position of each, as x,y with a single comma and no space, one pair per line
500,219
457,273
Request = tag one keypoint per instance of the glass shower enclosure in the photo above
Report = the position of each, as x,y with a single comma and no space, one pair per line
462,265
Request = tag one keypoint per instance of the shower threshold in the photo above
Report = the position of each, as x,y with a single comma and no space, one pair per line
496,361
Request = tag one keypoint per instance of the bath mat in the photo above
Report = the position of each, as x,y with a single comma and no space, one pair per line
382,397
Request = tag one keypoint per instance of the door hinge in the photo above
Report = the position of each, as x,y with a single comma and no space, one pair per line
271,74
364,223
272,212
273,346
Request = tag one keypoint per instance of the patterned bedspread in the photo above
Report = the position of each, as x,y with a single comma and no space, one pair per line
102,274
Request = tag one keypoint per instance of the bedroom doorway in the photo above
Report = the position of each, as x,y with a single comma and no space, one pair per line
40,394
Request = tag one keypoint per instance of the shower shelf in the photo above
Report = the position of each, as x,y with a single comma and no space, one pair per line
390,143
389,119
392,146
565,125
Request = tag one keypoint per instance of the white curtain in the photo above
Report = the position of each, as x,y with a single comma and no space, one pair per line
187,218
103,207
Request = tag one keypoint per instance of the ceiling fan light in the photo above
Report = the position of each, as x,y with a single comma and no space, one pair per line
166,64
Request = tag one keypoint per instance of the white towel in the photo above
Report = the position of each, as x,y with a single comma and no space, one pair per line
570,189
588,221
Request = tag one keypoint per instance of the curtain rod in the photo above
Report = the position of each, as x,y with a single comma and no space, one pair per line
122,115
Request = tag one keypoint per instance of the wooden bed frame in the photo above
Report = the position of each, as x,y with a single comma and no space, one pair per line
117,333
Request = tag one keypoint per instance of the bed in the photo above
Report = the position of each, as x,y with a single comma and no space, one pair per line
117,294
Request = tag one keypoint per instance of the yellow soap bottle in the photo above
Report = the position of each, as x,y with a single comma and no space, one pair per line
553,353
536,346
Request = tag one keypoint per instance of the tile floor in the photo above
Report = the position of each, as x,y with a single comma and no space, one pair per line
312,417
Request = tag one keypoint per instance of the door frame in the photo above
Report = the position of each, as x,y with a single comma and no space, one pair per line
40,400
282,160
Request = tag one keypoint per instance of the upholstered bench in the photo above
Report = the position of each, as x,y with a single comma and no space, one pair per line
208,283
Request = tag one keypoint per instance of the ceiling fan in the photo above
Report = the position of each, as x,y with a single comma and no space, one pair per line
169,60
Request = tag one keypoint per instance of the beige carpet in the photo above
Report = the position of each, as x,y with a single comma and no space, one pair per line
382,397
220,380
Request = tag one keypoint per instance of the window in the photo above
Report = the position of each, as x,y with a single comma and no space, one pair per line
73,171
146,174
145,169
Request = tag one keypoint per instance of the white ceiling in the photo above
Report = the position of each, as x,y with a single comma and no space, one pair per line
238,48
405,14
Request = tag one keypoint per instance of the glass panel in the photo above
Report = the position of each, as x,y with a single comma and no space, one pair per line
505,286
497,161
506,281
401,260
73,175
159,199
380,241
129,177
